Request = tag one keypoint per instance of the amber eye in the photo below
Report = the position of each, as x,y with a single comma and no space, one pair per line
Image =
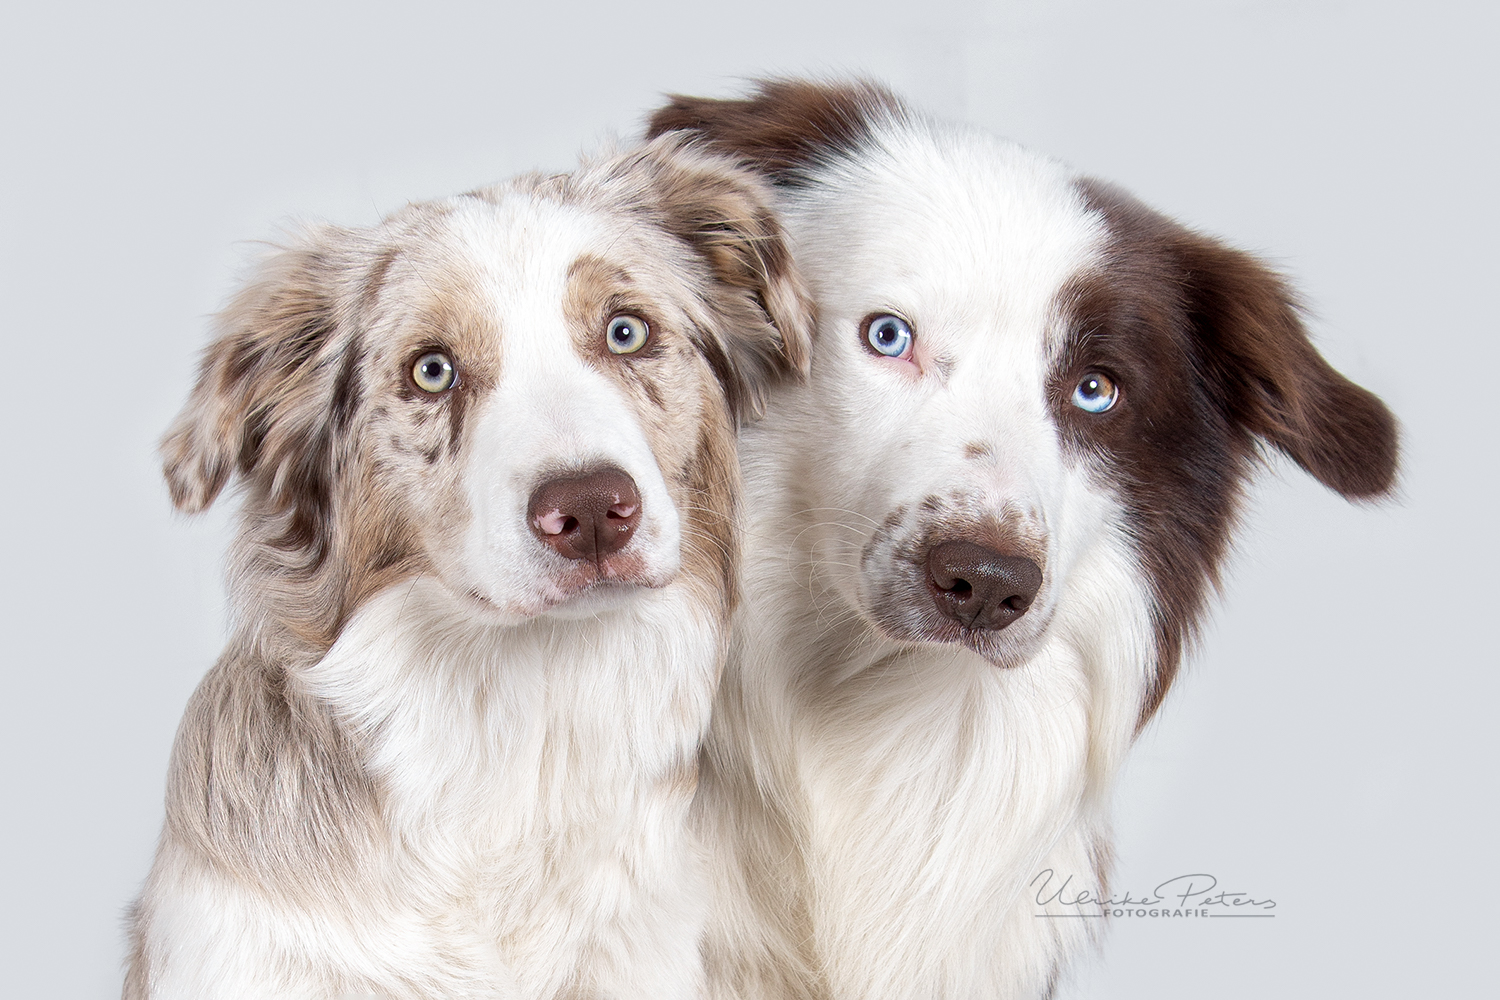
627,334
1095,393
434,373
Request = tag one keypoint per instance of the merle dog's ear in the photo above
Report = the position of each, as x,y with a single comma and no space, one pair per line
784,125
265,398
761,322
1273,381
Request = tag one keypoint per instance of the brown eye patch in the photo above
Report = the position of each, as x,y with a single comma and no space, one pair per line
1207,344
611,319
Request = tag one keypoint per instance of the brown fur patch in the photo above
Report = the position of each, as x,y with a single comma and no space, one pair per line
138,965
279,395
710,546
785,125
452,318
262,779
761,313
597,291
1211,357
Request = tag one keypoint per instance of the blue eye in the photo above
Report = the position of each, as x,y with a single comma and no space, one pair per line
627,334
1095,393
889,336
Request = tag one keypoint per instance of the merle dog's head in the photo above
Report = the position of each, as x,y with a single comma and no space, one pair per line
528,393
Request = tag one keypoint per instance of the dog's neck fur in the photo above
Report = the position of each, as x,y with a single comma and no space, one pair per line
475,717
497,776
898,748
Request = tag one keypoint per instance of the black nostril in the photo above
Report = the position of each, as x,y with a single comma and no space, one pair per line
979,587
586,516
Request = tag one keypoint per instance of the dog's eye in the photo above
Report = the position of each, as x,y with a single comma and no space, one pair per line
627,334
434,373
889,336
1095,393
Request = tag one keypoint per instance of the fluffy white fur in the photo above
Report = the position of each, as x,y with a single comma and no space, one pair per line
925,786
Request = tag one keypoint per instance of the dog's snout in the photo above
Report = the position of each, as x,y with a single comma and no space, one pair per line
979,587
586,516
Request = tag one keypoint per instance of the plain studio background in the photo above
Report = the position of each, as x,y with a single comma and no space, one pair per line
1331,746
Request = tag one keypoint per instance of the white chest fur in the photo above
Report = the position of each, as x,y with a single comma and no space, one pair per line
532,784
538,775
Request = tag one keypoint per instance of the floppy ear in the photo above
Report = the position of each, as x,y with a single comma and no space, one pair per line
1274,383
762,320
261,404
784,125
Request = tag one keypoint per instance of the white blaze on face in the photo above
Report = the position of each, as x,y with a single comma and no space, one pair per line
551,413
960,438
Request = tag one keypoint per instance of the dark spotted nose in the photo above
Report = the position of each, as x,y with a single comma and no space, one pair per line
586,516
979,587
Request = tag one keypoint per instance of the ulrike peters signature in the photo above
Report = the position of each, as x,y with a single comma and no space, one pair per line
1196,895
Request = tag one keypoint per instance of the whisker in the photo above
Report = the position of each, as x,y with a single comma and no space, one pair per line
839,510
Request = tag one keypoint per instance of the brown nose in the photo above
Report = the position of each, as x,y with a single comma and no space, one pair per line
979,587
588,515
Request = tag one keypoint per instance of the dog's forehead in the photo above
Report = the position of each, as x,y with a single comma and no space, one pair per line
460,271
512,240
930,218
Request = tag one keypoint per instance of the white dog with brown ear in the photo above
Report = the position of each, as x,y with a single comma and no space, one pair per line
976,541
484,565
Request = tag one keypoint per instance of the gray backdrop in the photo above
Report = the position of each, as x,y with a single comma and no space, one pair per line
1331,745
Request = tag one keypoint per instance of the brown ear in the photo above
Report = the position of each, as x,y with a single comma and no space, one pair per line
784,125
762,322
260,407
1274,382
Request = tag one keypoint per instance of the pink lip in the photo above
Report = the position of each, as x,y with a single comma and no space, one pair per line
616,573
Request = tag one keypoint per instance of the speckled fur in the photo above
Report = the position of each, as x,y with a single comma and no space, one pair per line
438,759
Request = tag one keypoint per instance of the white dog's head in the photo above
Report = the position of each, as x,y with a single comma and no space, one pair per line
528,392
1020,374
